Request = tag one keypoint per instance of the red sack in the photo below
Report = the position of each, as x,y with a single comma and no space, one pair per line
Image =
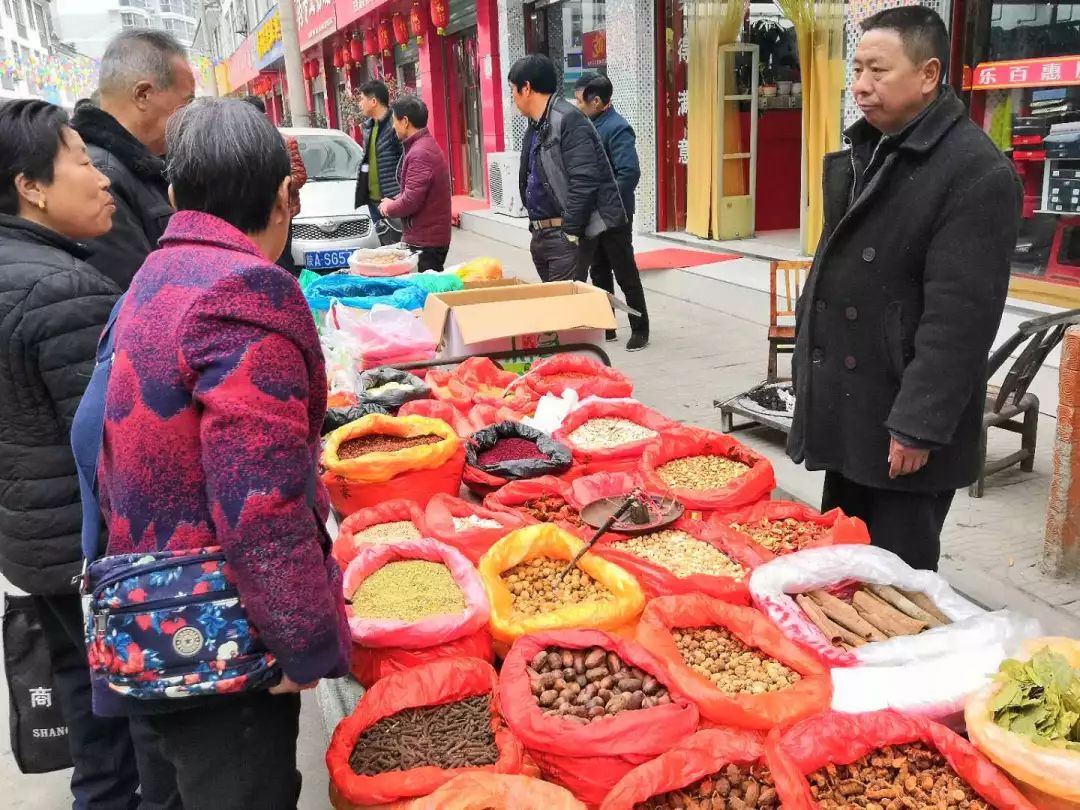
438,409
588,377
428,685
492,791
510,497
482,416
843,738
697,757
842,530
750,487
589,760
460,385
806,698
471,541
624,458
346,547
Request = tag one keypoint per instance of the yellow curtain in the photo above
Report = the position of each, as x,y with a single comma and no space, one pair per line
819,25
710,24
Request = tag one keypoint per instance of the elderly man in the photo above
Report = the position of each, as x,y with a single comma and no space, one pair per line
906,293
145,78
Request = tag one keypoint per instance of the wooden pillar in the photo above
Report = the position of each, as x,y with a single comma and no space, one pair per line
1061,549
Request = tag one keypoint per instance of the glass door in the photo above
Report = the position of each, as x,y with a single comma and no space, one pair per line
467,69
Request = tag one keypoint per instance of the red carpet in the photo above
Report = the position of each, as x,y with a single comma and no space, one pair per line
674,258
460,202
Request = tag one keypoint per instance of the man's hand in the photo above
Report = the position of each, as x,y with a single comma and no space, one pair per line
290,687
905,460
382,207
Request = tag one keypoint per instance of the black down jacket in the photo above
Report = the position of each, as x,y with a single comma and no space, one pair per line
904,300
388,151
53,307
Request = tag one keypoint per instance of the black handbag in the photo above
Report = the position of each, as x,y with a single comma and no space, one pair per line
39,733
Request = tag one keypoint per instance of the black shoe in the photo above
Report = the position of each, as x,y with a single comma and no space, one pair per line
609,335
637,343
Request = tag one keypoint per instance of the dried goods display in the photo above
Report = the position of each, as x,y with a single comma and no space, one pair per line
871,613
738,787
453,735
534,588
682,554
783,536
408,590
475,522
891,778
604,433
701,472
1040,699
511,448
388,386
383,443
731,665
587,685
383,258
389,532
552,509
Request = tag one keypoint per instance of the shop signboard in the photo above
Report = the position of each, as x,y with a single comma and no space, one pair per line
315,21
241,68
268,47
594,49
1057,71
351,10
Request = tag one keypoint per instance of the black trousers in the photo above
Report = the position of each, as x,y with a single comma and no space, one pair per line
388,230
105,776
609,257
237,753
906,523
554,256
431,258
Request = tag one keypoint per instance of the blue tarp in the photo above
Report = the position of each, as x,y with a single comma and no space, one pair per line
364,293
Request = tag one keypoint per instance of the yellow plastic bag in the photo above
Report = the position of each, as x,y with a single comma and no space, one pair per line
1049,777
375,468
485,268
547,540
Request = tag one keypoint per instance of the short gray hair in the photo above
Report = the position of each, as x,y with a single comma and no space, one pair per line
134,56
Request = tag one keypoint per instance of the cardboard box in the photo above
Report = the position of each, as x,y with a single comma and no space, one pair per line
518,317
499,282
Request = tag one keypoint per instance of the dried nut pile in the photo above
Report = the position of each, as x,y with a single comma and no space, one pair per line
682,554
534,590
604,433
453,735
732,666
475,522
552,509
873,613
389,386
408,590
893,778
389,532
782,536
701,472
382,443
736,787
586,685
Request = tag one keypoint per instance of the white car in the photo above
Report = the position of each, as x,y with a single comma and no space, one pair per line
329,226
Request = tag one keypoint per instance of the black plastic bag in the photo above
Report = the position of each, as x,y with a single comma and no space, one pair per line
557,457
39,733
339,417
395,397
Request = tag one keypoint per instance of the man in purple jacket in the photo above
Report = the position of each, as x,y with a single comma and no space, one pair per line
424,201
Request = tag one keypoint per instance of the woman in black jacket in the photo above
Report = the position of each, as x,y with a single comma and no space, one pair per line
53,306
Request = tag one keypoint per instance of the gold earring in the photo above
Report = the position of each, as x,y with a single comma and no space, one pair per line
42,205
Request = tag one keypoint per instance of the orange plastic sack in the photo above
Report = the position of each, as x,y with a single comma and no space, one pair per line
697,757
438,409
371,479
842,530
493,791
482,416
588,377
806,698
750,487
510,497
590,759
843,738
432,684
624,458
346,546
461,385
472,541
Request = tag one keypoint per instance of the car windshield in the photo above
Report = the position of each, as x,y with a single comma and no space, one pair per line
330,157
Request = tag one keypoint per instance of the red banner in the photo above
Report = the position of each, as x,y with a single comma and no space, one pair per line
315,21
242,67
594,49
1058,71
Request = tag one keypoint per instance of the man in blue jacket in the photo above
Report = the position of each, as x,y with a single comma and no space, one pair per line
611,260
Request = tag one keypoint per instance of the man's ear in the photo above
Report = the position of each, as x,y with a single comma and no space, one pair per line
140,94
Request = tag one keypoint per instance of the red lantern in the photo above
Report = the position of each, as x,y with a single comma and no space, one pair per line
440,15
356,48
337,59
346,55
386,42
416,22
401,31
371,44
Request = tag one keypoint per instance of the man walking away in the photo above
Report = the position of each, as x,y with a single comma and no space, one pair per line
593,93
906,293
424,178
382,153
145,78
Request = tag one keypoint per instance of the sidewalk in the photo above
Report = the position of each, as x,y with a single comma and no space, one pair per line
708,343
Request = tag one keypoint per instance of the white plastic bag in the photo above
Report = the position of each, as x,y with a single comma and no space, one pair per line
552,410
384,261
380,336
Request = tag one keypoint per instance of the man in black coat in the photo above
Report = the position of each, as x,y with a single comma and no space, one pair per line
906,294
145,78
377,180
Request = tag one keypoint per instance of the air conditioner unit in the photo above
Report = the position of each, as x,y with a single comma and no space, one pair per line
503,184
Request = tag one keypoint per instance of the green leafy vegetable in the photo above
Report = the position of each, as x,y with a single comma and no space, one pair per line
1040,699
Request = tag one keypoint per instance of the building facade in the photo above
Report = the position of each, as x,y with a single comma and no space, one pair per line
34,63
89,24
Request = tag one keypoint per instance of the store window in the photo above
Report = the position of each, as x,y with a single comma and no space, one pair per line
573,33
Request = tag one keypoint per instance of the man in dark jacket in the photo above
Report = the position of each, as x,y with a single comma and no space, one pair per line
424,202
610,257
906,294
145,78
382,153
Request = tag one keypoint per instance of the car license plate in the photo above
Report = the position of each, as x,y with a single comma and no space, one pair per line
327,259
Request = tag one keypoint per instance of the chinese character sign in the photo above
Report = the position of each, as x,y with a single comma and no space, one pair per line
268,35
41,697
1057,71
594,49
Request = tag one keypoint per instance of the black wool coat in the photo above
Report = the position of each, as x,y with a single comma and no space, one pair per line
906,293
